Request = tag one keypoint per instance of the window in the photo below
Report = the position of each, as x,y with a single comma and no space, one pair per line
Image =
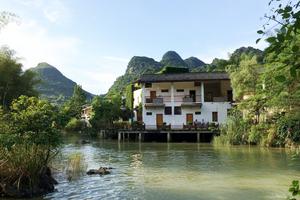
165,90
180,90
148,113
148,85
198,113
177,110
215,116
168,110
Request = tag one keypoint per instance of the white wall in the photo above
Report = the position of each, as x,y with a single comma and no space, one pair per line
137,99
177,121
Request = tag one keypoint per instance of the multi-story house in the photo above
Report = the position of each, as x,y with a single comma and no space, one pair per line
182,98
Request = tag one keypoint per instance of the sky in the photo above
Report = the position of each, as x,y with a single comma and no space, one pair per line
92,41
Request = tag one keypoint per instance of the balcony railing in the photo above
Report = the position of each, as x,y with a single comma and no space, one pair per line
176,98
155,102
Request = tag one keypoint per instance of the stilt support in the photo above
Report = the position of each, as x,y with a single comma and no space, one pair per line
168,137
119,136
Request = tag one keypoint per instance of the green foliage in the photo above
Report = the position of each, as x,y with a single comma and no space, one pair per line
245,79
73,107
13,81
294,189
286,15
22,168
173,70
139,65
194,64
30,121
76,166
75,125
54,86
105,111
29,141
288,130
257,133
129,97
234,132
171,58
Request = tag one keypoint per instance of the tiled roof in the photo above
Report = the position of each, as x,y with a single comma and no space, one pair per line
180,77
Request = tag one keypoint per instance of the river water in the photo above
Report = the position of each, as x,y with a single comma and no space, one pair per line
178,171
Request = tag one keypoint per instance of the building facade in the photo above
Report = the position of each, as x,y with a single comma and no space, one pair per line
182,99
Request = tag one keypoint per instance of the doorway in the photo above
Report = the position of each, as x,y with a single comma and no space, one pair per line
189,119
193,95
159,120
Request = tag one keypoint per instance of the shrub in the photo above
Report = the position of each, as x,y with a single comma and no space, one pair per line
173,70
234,132
255,134
288,130
75,125
27,147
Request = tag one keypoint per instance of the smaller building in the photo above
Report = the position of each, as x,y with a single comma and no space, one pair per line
181,99
86,113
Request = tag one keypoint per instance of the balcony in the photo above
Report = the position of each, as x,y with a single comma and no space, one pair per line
155,102
191,101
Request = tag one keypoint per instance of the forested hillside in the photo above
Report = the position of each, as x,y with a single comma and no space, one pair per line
53,85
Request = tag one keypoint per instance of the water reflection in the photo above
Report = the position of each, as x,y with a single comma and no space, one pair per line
179,171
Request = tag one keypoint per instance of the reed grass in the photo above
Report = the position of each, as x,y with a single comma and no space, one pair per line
76,166
21,166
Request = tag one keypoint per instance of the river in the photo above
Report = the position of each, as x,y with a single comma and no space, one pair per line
178,171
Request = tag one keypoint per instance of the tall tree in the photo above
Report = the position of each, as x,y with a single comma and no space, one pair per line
13,81
73,107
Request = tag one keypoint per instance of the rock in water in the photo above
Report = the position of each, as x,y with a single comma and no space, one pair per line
100,171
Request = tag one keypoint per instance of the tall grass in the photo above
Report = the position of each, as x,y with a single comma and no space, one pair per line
234,132
22,166
76,166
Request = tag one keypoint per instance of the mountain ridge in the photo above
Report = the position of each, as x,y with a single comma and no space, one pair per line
54,86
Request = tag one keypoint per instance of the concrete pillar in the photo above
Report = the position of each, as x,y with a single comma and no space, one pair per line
202,92
123,136
172,103
119,136
168,137
140,137
143,101
198,137
101,134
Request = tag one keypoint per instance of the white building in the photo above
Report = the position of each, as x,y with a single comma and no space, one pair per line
182,98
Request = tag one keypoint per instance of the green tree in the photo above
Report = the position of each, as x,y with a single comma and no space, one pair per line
32,121
285,16
29,141
105,111
13,81
73,107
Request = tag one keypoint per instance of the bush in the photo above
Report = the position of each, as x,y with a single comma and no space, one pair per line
75,125
173,70
288,130
234,132
27,147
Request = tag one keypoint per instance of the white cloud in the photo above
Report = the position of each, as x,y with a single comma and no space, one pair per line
54,10
33,43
